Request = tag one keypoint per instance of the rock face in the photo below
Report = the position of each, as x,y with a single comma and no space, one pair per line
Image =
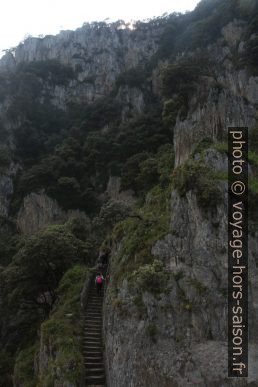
233,105
38,211
229,97
188,323
115,193
97,52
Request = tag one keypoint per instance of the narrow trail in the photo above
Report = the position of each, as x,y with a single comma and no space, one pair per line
92,339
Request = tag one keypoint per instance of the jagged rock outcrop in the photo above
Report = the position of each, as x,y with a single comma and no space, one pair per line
188,322
224,108
97,52
115,193
39,210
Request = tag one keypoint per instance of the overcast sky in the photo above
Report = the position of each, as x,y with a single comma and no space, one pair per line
19,18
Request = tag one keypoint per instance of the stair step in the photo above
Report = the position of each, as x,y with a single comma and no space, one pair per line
94,317
93,360
89,349
93,323
91,328
92,312
94,307
92,337
94,379
90,344
91,355
95,371
94,347
97,337
90,340
91,364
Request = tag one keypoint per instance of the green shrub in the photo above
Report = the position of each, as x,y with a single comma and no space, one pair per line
150,277
131,169
143,171
200,288
140,231
204,144
221,147
24,369
253,158
172,108
179,78
253,139
201,179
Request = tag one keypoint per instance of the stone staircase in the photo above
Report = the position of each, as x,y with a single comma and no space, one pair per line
92,340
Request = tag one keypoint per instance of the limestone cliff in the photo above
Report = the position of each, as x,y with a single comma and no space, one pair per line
177,336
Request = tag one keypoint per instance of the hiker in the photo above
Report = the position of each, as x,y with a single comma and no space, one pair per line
100,265
99,283
104,257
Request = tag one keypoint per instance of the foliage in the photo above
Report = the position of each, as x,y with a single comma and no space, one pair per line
195,175
176,106
253,158
179,78
24,366
51,71
200,288
221,147
139,232
135,77
143,171
31,279
63,329
79,225
131,169
204,144
110,213
150,277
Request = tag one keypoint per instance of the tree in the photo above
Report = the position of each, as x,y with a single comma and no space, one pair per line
30,281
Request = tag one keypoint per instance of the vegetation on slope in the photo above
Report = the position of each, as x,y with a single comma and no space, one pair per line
60,343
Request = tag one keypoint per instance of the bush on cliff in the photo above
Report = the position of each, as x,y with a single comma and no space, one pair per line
196,176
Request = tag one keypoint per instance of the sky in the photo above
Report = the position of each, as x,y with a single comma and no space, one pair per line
19,18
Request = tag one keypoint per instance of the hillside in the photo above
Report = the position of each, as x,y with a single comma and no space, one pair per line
116,137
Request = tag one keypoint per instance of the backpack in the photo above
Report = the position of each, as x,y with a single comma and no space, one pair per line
99,280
